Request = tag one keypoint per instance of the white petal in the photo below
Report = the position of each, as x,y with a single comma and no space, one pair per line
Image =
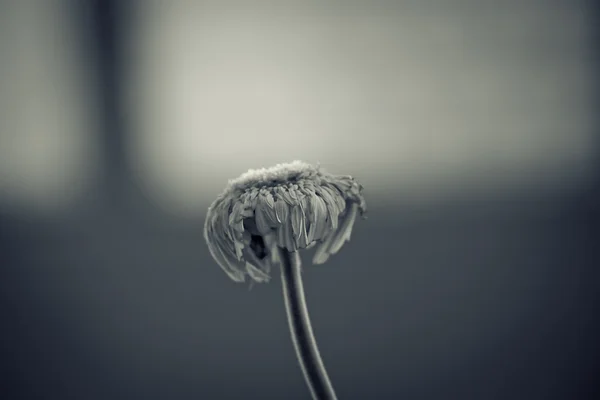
345,231
334,241
257,274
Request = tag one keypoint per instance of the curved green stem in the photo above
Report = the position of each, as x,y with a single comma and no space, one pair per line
302,335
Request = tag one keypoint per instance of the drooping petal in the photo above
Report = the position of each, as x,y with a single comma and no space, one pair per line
298,226
321,255
287,196
227,265
256,274
296,218
335,240
354,193
281,210
236,213
332,209
253,193
293,191
285,236
271,216
262,224
267,198
342,182
239,247
216,225
218,216
267,205
308,206
337,196
257,268
319,212
271,246
248,207
221,251
344,233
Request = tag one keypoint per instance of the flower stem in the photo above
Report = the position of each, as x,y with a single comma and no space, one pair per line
302,335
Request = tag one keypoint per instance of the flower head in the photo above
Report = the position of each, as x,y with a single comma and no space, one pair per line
293,206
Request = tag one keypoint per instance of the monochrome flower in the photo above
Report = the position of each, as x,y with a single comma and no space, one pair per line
293,206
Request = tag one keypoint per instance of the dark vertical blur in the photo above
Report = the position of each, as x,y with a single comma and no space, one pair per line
486,296
105,33
101,25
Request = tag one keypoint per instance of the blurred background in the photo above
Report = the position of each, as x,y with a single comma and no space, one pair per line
472,125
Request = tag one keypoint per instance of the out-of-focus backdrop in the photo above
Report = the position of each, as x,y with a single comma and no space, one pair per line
472,125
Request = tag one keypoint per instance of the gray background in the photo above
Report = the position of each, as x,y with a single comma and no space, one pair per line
471,125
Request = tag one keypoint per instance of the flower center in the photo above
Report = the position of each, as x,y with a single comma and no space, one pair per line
271,176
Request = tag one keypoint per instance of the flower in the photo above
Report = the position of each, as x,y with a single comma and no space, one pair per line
293,206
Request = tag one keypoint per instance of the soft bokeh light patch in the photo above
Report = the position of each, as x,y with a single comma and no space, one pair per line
46,151
413,99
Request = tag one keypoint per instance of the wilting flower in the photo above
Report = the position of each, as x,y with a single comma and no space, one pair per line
293,206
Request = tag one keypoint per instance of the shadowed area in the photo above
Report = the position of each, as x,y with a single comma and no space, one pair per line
477,299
